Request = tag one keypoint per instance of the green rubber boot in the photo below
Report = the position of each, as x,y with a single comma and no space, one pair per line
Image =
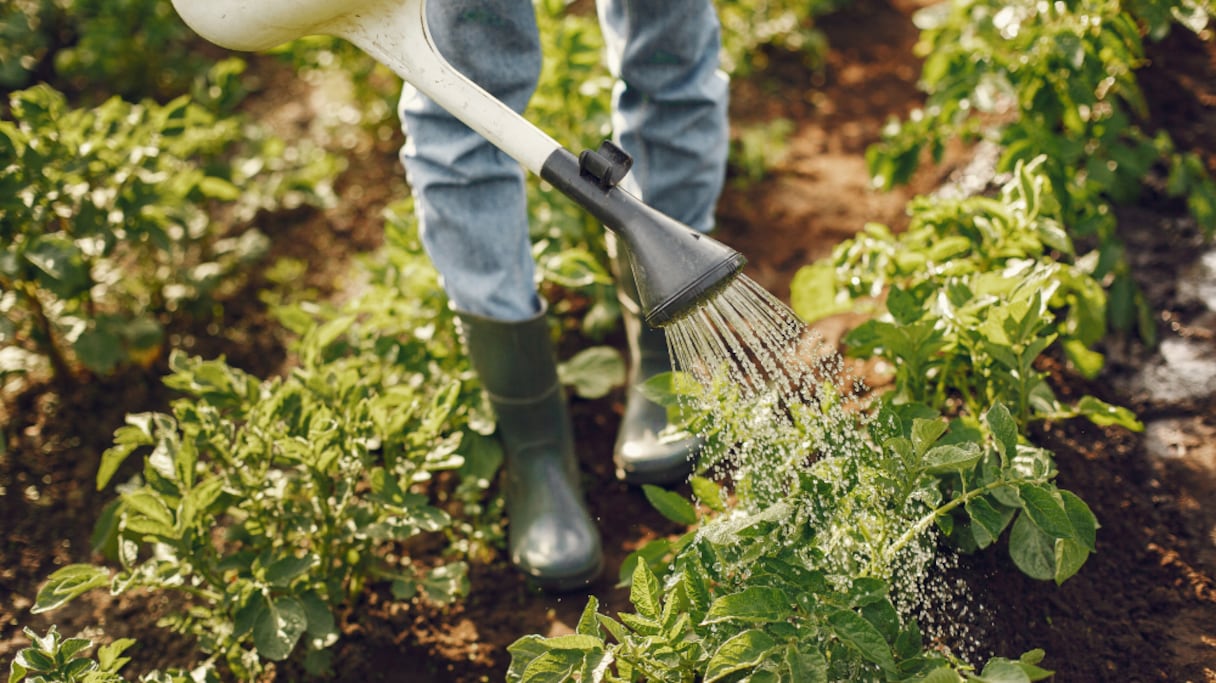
551,537
641,455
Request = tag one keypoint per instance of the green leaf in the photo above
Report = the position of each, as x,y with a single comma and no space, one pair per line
859,634
593,372
61,266
552,667
322,628
1004,428
814,293
278,627
1070,556
708,493
1000,670
218,188
805,666
100,350
1084,524
1088,362
952,458
987,522
1104,414
755,604
1046,510
588,624
645,592
68,583
671,505
925,433
280,572
1032,550
742,651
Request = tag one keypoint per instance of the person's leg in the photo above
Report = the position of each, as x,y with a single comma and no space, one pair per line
469,195
670,115
670,102
471,203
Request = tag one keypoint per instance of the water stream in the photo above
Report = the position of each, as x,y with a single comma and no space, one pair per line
781,409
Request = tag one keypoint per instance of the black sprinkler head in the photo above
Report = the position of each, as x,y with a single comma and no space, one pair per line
676,267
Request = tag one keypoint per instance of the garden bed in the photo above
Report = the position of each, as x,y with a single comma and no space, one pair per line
1143,608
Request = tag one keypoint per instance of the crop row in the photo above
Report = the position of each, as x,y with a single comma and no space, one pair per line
271,503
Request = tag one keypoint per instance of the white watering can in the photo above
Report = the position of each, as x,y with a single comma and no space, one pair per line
675,266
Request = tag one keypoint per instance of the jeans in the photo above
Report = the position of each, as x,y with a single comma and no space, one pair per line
669,113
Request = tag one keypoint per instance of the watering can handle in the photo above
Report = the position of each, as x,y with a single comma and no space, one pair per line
394,33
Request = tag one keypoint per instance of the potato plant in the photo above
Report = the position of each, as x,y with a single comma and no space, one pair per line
1056,81
105,232
976,290
269,504
54,659
809,587
97,48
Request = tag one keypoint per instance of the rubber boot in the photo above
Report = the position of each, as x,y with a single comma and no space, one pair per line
551,536
640,455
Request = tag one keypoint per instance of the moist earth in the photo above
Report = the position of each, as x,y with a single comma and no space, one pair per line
1142,609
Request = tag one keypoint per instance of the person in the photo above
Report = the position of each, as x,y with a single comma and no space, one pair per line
670,114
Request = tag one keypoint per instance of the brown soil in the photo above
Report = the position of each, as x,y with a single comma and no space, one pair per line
1142,609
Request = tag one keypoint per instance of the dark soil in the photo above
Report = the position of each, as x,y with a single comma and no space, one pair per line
1142,609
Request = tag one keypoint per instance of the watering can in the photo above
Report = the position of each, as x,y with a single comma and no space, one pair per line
676,267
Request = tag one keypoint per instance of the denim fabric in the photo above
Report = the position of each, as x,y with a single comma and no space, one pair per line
669,113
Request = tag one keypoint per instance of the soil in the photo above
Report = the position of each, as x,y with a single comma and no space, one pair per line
1142,609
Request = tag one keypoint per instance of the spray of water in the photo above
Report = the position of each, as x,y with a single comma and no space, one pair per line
782,408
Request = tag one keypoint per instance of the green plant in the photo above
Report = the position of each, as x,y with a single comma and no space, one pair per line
1055,81
269,504
815,586
54,659
757,150
750,26
977,289
104,232
136,48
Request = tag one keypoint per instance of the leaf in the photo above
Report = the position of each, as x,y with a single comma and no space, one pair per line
814,293
805,666
859,634
644,593
1045,510
742,651
1104,414
68,583
1070,556
925,433
1000,670
708,493
671,505
100,350
952,458
278,627
552,667
1088,362
218,188
1004,428
755,604
280,572
61,266
322,628
1032,550
593,372
987,522
1084,524
588,624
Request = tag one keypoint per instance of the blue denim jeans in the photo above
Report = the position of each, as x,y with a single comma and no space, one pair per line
669,114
